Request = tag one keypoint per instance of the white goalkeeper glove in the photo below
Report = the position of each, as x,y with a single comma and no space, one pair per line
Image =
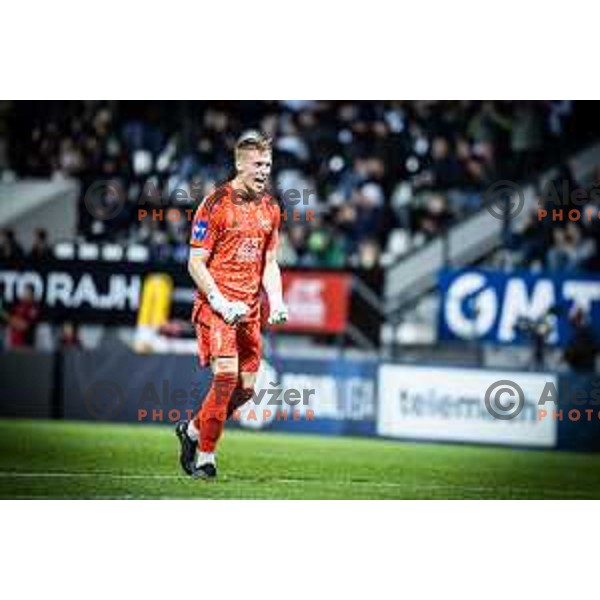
232,312
278,313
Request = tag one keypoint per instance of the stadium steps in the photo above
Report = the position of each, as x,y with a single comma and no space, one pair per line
410,298
28,204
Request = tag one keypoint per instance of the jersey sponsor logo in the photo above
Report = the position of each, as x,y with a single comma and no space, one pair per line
249,250
199,231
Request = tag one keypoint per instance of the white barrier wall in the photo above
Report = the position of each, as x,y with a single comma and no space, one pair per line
444,404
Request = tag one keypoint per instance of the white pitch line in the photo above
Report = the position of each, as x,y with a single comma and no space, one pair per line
123,476
372,484
8,474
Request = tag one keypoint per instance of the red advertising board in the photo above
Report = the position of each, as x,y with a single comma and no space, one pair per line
317,301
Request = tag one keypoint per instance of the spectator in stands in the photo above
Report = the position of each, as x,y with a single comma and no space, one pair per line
526,139
584,248
489,123
294,248
445,171
561,256
22,321
325,248
40,250
368,254
436,215
582,348
351,153
402,204
571,250
10,249
5,248
531,243
69,336
363,216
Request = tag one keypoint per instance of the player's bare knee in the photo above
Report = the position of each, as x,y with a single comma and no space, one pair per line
225,364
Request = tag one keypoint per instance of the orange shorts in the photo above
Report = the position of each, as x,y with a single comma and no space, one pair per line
216,338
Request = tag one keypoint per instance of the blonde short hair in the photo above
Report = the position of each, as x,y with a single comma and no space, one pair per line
252,140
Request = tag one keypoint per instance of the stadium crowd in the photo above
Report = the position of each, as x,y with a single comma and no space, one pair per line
552,241
386,176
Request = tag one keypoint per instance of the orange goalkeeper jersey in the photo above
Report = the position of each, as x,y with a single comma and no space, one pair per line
236,234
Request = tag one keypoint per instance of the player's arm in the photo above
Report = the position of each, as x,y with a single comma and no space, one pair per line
200,274
231,312
271,281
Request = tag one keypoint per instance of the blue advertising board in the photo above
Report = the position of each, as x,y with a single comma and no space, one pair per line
333,397
494,306
325,396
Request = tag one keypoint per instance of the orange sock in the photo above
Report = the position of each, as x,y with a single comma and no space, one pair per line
210,421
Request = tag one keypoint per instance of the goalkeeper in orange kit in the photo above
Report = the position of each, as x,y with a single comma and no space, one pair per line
232,256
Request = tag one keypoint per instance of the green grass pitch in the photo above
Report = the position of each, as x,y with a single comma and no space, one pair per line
44,459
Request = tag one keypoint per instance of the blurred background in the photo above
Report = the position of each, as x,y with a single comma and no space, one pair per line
409,258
